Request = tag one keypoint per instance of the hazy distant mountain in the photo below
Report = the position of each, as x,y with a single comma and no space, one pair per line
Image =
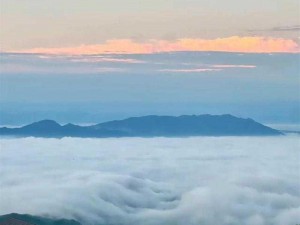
149,126
50,128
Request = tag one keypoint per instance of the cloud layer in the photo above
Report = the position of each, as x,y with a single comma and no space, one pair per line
117,63
157,181
128,46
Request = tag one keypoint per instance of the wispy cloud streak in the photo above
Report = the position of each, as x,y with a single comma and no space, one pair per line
287,28
106,59
234,66
197,70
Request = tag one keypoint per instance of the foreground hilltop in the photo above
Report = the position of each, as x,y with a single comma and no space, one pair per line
149,126
24,219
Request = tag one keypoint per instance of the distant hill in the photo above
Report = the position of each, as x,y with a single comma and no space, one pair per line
23,219
149,126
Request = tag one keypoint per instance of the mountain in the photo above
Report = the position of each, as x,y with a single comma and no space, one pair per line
149,126
50,128
23,219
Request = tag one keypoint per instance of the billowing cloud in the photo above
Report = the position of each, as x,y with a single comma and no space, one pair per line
128,46
153,181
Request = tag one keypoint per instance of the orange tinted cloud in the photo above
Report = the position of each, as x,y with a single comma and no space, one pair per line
230,44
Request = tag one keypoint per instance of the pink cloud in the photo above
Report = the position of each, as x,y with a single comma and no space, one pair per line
229,44
234,66
103,59
197,70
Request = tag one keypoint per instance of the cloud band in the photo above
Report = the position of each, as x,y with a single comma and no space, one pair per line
128,46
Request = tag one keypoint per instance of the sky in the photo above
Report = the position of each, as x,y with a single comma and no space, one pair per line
91,61
41,26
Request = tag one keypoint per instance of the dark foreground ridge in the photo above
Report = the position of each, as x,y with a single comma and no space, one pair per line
23,219
148,126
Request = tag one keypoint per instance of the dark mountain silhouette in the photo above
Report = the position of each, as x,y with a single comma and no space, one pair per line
149,126
24,219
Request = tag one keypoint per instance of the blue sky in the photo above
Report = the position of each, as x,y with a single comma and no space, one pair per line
88,61
94,88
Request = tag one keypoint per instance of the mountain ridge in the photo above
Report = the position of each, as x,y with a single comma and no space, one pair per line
26,219
148,126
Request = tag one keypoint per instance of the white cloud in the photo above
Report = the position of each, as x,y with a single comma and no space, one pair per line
154,181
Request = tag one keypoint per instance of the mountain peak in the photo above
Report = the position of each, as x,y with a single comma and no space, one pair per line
150,126
43,124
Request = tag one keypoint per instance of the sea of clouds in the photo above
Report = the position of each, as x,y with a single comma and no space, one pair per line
154,181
